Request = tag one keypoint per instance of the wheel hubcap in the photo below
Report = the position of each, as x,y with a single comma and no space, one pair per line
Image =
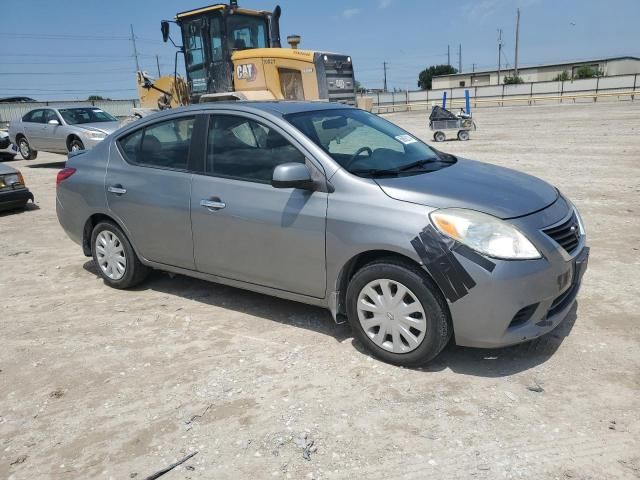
110,255
24,148
392,316
75,147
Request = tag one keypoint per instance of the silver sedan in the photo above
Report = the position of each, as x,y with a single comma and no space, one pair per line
61,130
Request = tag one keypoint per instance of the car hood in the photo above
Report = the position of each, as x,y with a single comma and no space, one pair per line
104,127
498,191
6,169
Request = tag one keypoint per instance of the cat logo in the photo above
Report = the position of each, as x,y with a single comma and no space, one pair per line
246,71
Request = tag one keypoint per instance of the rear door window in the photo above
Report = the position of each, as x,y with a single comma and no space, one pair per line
161,145
36,116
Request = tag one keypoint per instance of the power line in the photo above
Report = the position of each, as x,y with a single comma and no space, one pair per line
86,72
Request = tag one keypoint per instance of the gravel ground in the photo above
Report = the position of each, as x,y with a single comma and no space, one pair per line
101,383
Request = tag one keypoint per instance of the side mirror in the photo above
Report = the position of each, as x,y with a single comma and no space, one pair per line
53,122
164,27
292,175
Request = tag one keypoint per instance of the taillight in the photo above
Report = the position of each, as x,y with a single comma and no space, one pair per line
64,174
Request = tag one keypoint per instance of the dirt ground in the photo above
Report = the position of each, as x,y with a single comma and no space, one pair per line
101,383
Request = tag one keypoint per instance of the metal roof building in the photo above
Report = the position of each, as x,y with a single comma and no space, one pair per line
539,73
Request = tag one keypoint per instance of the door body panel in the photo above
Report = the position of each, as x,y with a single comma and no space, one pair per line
263,235
154,209
33,130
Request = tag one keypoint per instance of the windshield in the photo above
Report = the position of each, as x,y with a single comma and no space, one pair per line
247,31
367,145
77,116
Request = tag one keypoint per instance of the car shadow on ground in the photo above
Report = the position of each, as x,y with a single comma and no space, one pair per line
244,301
498,362
27,208
57,165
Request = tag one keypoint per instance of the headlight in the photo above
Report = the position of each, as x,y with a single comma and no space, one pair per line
96,135
484,233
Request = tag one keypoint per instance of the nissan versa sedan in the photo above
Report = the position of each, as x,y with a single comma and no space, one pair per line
61,130
332,206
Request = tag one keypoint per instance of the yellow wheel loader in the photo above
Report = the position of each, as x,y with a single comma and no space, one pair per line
234,53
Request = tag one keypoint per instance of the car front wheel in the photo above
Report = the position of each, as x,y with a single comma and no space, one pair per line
117,262
397,313
76,145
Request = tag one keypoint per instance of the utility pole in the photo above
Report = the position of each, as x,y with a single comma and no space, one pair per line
135,50
499,52
448,55
515,66
473,67
158,64
460,57
384,64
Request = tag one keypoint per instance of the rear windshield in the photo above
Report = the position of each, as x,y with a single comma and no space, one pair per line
77,116
366,144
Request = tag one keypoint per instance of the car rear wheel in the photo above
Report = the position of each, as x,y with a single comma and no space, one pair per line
463,135
25,149
117,262
439,136
397,313
76,145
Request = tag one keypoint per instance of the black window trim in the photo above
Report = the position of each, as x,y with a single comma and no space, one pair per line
310,161
128,133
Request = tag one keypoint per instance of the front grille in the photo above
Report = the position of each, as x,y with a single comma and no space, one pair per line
567,234
562,301
335,78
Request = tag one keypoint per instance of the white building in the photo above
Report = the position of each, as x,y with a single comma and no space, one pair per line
539,73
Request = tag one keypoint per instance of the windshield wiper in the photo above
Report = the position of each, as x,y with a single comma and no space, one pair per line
373,172
419,163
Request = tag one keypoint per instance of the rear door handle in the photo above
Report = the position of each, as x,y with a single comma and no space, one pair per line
117,189
213,204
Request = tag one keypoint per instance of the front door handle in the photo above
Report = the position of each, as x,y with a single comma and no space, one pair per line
117,189
213,204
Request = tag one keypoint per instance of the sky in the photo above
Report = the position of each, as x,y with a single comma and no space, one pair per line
75,48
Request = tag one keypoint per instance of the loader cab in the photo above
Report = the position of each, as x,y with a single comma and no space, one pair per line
210,36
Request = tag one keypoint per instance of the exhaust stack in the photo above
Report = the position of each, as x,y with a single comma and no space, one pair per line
274,27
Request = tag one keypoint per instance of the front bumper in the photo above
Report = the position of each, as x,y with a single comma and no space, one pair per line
14,198
519,300
90,142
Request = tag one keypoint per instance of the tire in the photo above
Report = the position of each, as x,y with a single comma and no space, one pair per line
430,328
118,253
76,145
25,149
463,135
439,137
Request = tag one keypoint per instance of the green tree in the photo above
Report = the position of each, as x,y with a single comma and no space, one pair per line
562,77
359,87
512,80
96,97
426,76
585,71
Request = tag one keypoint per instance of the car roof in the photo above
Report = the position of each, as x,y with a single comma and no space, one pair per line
279,108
